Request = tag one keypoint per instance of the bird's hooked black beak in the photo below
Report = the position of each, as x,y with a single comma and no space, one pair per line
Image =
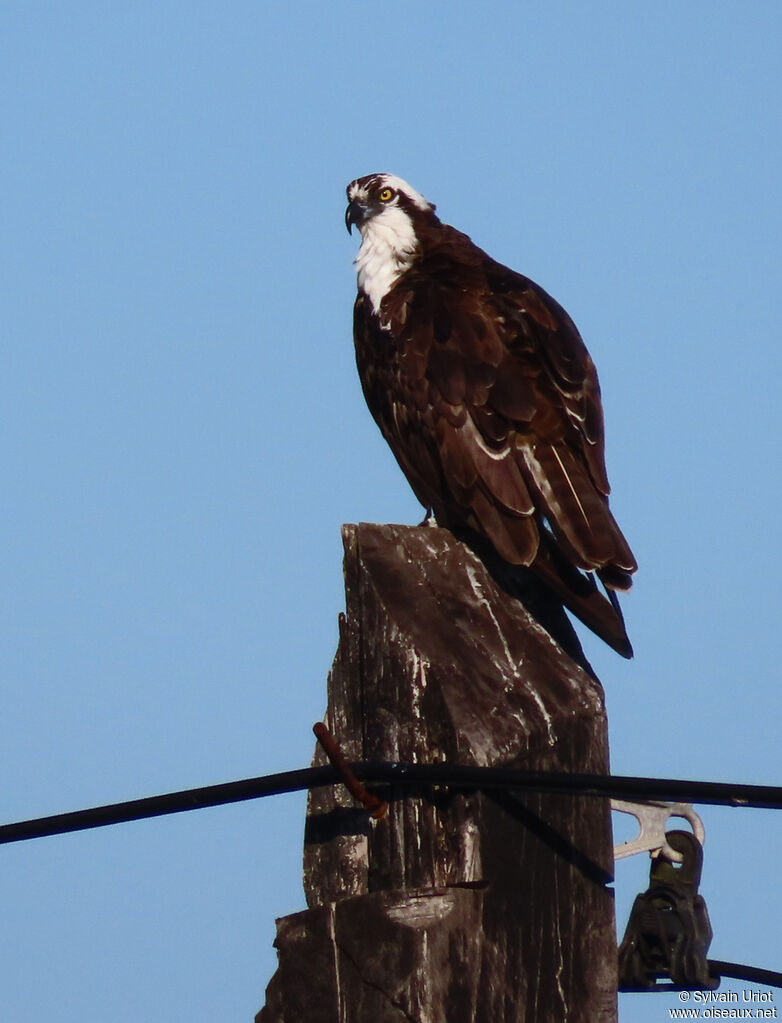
354,214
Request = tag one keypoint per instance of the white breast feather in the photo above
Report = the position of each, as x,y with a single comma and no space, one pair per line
388,244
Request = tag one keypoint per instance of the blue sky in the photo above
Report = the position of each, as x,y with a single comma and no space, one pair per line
183,429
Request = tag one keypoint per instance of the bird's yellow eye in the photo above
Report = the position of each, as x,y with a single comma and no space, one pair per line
385,194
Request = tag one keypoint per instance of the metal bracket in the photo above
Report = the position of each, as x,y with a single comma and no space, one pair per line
668,933
652,816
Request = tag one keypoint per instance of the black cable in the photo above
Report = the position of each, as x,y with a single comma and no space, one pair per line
171,802
718,971
411,775
404,775
613,786
753,974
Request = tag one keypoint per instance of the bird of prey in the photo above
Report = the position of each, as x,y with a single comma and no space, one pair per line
485,392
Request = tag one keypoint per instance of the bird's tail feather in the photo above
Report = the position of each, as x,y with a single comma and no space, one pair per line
564,585
579,592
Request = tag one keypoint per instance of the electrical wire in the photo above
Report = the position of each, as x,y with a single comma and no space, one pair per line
753,974
417,775
403,776
718,970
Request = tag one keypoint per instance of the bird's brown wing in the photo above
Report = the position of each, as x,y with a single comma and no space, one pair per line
489,400
560,446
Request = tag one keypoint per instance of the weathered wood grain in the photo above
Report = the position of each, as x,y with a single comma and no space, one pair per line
457,906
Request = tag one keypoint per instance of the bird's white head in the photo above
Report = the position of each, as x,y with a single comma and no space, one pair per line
385,209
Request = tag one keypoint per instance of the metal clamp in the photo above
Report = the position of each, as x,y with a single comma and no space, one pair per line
669,933
652,816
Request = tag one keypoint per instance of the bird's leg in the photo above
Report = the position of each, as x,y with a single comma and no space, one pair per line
429,519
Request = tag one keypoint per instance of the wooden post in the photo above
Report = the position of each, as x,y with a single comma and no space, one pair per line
487,908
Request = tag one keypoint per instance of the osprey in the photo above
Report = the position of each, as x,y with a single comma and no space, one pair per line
485,392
